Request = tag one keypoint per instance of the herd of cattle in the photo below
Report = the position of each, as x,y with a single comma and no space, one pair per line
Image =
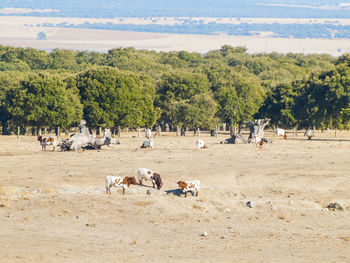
154,177
147,174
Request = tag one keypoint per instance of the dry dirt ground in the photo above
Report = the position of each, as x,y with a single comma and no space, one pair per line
53,207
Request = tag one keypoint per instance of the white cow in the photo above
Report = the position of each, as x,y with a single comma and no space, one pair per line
281,132
308,133
147,144
200,144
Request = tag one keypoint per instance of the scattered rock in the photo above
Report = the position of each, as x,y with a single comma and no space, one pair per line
309,227
335,206
290,202
79,217
94,225
273,208
227,210
149,192
324,209
204,234
250,204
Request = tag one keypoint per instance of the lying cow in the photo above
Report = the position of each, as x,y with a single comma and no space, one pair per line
147,144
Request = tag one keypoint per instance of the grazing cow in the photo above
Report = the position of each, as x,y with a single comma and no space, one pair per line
281,132
47,141
189,186
147,174
200,144
118,181
147,144
308,133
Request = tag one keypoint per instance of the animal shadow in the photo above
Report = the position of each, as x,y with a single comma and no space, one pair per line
177,192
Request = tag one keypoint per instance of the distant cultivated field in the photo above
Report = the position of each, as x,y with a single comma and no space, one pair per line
22,32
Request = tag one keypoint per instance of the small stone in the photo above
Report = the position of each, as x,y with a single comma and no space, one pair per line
273,208
227,210
309,227
204,234
324,209
149,192
78,217
250,204
290,202
335,206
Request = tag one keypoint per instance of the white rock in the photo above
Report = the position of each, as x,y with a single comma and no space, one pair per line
204,234
227,210
274,208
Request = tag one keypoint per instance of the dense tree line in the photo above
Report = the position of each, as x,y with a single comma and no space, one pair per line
139,88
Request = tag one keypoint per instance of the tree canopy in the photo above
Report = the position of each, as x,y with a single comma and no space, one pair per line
132,88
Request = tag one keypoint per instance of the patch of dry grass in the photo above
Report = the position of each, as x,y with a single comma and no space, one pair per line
5,203
197,207
144,203
49,191
7,190
345,238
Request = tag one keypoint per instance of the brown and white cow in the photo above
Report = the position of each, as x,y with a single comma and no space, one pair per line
147,174
47,141
187,186
118,181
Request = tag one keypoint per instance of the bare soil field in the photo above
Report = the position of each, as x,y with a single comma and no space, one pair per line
53,206
21,31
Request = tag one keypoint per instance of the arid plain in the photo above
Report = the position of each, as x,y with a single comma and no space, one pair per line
53,207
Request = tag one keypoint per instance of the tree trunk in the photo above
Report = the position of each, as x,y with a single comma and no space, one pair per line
119,130
257,130
18,131
177,130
